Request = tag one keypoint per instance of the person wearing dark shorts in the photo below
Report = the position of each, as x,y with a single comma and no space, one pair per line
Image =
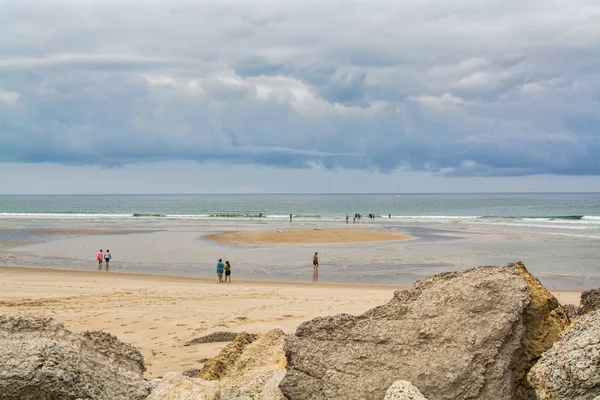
316,261
107,258
227,271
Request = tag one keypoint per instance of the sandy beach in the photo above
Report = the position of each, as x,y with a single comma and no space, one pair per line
159,314
305,236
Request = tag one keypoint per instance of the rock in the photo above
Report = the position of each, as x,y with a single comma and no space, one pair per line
214,338
217,367
40,359
175,386
590,301
460,335
403,390
191,373
571,310
154,383
571,369
271,389
248,364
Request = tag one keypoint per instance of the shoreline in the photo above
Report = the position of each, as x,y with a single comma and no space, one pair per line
188,278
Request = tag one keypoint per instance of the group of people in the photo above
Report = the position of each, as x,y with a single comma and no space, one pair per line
224,268
103,256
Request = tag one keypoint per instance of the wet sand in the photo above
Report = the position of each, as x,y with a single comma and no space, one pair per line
86,231
305,236
159,314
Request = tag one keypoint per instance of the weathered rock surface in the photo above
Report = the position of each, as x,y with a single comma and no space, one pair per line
571,369
41,360
571,310
249,366
218,367
403,390
175,386
213,338
460,335
590,301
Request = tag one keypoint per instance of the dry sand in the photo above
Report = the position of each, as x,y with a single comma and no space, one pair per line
159,314
305,236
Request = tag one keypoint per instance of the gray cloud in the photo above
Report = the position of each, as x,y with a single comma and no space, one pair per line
504,89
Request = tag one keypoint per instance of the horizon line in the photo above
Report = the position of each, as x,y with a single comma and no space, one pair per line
286,193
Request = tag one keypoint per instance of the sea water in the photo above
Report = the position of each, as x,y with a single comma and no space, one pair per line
557,235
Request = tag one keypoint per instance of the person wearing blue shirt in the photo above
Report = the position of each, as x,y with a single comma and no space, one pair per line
220,269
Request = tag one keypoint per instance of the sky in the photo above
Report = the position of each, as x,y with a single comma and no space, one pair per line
292,96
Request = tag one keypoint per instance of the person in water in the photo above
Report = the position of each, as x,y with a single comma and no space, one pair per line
227,271
220,268
99,258
316,267
107,258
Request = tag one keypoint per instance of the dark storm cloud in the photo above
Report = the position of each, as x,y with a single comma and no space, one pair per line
458,90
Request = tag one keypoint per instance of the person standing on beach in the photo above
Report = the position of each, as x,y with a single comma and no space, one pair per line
227,271
107,258
346,219
290,217
99,258
316,267
220,268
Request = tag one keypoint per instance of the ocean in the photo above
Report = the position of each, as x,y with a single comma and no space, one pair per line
557,210
556,235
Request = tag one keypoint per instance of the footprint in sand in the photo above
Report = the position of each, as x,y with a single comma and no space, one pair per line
181,324
153,327
126,332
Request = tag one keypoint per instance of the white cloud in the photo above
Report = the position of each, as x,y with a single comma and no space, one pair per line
9,98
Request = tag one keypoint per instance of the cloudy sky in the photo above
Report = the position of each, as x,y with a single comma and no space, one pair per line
106,96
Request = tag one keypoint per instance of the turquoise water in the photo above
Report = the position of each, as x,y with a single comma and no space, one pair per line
584,207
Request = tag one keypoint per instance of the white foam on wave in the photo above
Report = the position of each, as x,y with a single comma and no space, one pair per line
431,217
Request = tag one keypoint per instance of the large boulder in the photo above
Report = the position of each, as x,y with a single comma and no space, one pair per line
590,301
176,386
403,390
571,369
41,360
458,335
251,366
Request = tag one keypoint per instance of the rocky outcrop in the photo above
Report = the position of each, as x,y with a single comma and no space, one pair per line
218,367
213,338
403,390
40,359
571,310
249,366
571,369
459,335
590,301
175,386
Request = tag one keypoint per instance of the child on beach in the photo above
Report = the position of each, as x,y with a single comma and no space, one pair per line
107,258
227,271
99,258
220,268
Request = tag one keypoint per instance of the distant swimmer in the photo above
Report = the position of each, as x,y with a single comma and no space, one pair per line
354,220
390,215
99,258
107,258
346,219
290,217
